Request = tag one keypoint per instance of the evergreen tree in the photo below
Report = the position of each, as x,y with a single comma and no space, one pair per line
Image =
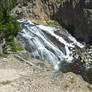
9,26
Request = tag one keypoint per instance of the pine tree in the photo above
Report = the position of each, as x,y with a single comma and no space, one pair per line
9,26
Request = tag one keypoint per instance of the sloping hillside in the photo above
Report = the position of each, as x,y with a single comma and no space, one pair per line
16,76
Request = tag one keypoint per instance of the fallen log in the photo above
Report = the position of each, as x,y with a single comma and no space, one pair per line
27,62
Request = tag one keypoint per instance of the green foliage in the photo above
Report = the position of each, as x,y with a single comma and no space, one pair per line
54,23
66,86
72,80
5,82
79,86
89,87
19,48
9,26
5,52
12,45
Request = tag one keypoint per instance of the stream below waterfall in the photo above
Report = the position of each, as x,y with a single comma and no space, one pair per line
52,44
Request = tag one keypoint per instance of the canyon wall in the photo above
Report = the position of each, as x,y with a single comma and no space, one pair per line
76,15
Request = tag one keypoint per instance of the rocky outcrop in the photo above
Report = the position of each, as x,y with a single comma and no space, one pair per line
77,16
39,11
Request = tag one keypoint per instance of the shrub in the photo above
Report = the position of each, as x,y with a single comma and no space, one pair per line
54,23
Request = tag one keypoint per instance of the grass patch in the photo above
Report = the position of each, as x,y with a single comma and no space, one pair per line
90,88
19,48
66,86
54,23
79,86
5,52
5,82
13,47
72,80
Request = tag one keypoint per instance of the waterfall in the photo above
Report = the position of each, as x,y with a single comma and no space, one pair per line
35,40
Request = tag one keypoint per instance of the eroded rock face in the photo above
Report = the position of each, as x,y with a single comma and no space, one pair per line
77,14
37,10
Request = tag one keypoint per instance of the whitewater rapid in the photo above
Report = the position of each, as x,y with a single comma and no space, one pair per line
40,46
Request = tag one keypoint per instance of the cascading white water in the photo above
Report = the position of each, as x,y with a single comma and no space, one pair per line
40,46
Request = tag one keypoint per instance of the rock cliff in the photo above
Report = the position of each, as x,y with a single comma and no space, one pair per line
77,16
39,11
